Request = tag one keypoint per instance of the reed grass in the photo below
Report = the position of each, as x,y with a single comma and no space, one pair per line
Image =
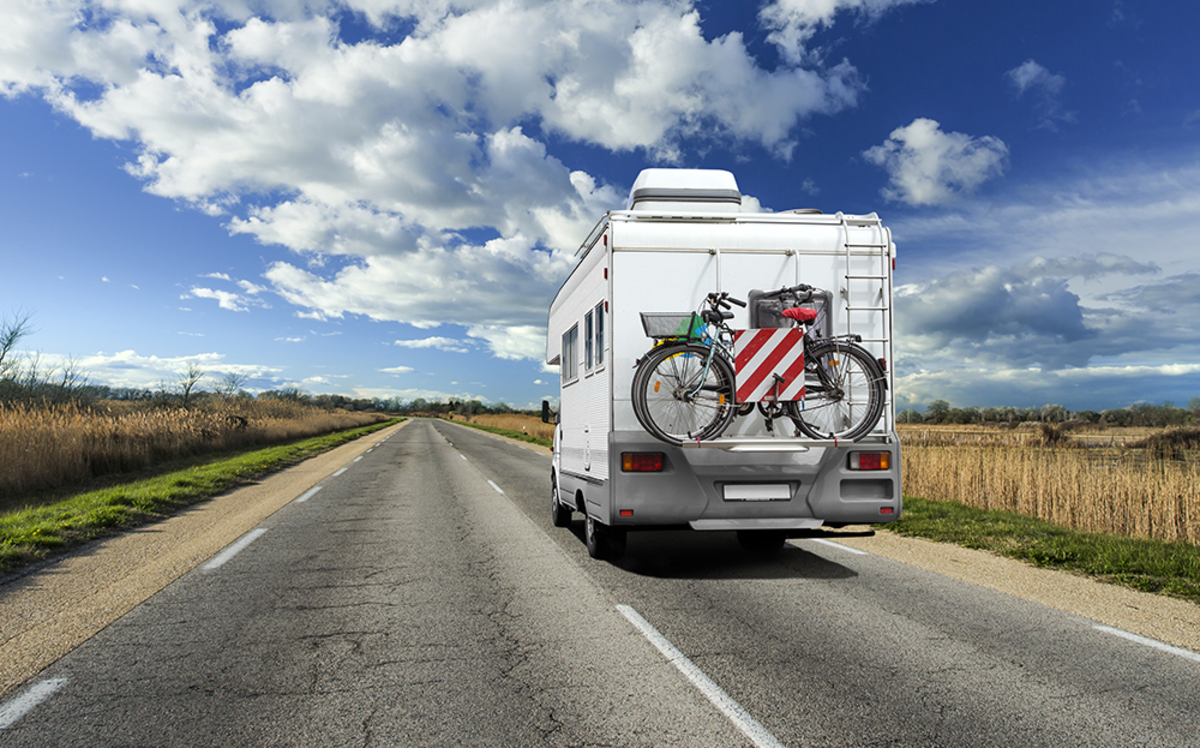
515,422
1097,489
46,447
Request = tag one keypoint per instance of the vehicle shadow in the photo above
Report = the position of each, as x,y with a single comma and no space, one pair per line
675,554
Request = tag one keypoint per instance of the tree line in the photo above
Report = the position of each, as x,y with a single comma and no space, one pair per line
1141,414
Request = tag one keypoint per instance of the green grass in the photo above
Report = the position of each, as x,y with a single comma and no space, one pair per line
1171,568
520,435
36,532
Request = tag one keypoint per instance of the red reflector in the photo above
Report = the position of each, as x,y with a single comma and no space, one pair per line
870,460
885,510
626,512
642,462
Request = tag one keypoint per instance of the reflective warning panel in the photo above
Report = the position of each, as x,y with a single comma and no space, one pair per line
769,364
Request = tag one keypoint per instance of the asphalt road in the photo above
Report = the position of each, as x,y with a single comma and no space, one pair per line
421,598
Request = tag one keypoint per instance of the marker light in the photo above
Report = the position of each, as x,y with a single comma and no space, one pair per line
642,462
870,460
886,510
626,512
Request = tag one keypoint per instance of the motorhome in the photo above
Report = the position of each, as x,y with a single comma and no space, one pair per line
683,236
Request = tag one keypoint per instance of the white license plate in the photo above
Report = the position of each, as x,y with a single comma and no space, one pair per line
758,492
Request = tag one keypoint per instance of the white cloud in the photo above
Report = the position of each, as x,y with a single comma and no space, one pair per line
441,343
129,369
1046,90
391,152
927,166
793,23
225,299
398,370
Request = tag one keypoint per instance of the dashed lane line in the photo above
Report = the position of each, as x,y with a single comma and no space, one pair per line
234,549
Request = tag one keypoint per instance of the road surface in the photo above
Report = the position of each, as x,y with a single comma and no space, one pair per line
420,597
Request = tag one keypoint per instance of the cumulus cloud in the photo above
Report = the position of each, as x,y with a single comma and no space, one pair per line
131,369
793,23
390,150
927,166
440,343
1045,88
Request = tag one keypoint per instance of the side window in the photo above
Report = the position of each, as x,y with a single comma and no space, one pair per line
588,336
600,334
570,354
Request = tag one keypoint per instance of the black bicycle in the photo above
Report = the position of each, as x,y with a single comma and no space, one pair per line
685,386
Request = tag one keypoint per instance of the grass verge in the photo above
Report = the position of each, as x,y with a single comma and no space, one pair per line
520,435
1171,568
34,533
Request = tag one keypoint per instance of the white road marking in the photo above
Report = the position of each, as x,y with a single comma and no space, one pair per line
463,456
369,451
308,494
1187,654
356,459
499,490
25,703
340,471
839,546
741,719
237,547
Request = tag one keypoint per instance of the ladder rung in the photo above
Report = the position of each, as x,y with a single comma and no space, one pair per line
866,277
866,309
872,246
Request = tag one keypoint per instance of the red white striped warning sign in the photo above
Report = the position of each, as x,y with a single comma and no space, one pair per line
760,355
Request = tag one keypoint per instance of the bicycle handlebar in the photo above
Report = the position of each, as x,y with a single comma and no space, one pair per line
722,300
796,290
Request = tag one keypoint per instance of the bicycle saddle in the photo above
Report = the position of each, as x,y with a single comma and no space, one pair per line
800,314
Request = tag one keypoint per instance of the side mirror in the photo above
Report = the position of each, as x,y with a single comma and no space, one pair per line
545,411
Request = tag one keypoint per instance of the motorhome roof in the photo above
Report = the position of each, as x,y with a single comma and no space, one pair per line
702,188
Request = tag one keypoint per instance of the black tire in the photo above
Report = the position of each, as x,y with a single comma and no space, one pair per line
845,388
603,542
560,514
663,388
762,542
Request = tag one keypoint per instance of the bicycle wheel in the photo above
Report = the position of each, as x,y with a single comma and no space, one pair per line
844,392
675,400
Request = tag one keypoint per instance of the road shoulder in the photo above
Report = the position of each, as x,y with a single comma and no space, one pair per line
50,611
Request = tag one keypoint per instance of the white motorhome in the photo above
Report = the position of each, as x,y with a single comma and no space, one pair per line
683,236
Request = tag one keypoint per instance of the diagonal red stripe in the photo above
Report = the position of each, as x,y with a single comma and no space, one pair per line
765,368
757,340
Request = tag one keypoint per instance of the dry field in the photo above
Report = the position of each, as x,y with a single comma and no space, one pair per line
1093,480
46,447
531,425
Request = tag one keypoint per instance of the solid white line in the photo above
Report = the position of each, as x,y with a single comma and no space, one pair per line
25,703
839,546
340,471
714,693
498,488
238,546
308,494
1187,654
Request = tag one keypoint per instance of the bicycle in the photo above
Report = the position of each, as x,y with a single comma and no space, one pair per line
685,386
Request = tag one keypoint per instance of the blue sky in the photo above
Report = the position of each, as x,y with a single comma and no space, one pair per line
379,198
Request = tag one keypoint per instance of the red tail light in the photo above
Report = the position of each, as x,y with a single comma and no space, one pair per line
870,460
642,462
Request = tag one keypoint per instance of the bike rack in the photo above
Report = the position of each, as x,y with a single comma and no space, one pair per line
762,444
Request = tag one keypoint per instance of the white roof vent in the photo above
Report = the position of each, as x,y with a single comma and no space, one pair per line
685,189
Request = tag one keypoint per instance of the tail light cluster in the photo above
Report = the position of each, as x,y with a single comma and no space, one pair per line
870,461
642,462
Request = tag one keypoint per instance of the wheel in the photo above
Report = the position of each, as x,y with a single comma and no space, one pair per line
603,542
844,392
560,514
761,542
675,400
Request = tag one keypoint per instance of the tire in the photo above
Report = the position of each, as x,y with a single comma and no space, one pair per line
761,542
603,542
662,393
560,514
844,392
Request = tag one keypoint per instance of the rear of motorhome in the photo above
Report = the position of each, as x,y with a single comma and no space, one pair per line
684,236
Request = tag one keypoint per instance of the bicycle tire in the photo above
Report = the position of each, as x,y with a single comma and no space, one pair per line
844,392
663,387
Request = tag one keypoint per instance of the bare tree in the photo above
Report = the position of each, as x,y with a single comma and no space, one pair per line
231,384
188,383
11,333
